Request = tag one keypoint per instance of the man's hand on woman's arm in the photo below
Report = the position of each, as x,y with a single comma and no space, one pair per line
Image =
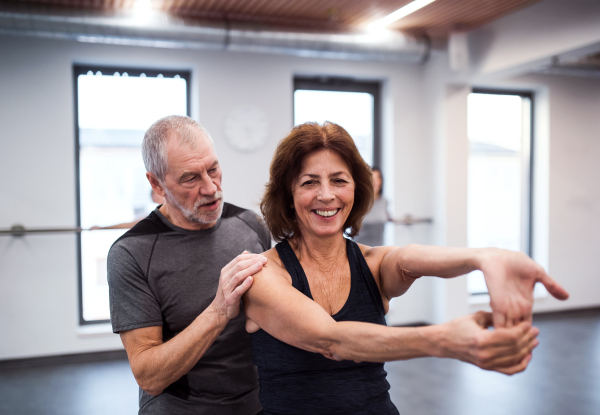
510,276
156,364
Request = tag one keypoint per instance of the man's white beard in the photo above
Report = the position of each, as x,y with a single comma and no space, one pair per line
193,215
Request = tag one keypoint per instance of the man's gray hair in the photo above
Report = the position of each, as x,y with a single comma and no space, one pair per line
154,146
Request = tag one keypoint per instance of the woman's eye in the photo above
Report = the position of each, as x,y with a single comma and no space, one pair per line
308,183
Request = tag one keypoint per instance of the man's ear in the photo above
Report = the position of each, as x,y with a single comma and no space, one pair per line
155,183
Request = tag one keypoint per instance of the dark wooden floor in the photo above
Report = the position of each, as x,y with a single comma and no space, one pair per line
563,378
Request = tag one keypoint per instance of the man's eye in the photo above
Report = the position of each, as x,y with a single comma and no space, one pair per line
191,179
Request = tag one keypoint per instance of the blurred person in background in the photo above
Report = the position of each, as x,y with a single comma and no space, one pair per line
371,232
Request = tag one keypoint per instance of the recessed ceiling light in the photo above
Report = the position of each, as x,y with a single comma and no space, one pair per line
400,13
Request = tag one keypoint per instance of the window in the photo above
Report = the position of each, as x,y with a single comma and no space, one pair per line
355,105
114,107
499,177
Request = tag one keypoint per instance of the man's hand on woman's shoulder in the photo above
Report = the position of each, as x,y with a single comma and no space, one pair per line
235,280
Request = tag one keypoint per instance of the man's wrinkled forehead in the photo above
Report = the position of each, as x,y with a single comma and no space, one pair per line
189,134
193,140
190,137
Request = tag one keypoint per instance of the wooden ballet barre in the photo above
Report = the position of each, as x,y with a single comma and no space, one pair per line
20,230
409,220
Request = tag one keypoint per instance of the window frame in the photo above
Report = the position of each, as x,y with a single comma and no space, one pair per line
530,180
341,84
82,69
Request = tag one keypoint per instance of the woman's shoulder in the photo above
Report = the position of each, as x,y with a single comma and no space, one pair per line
274,267
374,256
272,256
374,253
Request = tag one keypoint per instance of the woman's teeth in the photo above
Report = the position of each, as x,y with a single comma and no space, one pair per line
326,213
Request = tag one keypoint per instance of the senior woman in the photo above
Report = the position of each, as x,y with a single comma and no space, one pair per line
316,312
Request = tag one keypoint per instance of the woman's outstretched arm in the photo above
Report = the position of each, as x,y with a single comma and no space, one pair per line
510,276
273,305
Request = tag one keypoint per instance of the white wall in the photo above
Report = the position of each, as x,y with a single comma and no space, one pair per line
574,192
38,278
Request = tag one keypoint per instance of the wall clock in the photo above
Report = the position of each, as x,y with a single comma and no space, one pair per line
247,128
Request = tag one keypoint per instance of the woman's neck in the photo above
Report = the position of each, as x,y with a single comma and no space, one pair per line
321,250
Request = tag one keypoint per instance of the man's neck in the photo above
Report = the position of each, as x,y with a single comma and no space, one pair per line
177,218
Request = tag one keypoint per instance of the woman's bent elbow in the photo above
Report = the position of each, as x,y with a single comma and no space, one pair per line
325,347
335,351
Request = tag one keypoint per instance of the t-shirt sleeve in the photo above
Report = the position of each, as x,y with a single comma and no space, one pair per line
132,303
264,234
258,225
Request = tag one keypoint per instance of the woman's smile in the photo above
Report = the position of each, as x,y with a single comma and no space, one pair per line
326,213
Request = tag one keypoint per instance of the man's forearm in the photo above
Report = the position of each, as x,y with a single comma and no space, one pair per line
156,367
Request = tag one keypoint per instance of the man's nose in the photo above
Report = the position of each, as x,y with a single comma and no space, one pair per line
207,186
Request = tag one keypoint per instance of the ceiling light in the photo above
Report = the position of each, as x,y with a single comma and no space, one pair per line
400,13
143,13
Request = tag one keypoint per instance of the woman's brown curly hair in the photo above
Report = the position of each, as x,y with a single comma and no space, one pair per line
277,202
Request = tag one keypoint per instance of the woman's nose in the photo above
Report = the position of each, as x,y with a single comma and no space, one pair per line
325,194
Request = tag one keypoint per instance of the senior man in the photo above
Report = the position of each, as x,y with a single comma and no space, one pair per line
174,294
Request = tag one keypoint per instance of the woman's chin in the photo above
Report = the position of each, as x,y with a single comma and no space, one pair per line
326,231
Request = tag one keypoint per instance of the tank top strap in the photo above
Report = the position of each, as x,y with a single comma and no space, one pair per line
292,265
362,273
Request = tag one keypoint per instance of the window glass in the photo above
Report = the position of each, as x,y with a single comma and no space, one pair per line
114,109
352,110
498,178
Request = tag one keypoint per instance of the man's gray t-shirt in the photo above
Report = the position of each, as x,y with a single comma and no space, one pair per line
163,275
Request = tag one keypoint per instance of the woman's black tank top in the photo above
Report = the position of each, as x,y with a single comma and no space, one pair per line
294,381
